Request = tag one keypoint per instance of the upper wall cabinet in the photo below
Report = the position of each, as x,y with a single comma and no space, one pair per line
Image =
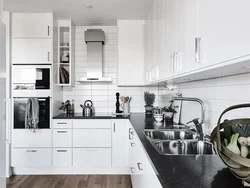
186,35
158,35
196,34
149,46
31,51
169,39
32,25
223,30
130,52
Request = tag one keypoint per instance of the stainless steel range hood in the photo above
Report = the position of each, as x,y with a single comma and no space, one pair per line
95,39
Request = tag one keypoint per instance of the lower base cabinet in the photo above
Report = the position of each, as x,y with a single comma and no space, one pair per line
31,157
115,146
62,157
92,157
142,172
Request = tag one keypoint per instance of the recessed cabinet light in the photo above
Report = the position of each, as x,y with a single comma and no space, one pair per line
89,6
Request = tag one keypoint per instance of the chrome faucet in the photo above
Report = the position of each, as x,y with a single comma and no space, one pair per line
196,120
198,126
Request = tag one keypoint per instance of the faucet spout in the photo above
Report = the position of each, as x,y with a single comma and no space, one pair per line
198,126
195,100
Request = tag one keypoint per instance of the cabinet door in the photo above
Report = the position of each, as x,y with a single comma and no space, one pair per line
130,52
62,138
170,37
150,41
32,25
92,157
92,138
158,36
31,157
147,50
186,34
62,157
31,51
224,30
142,173
119,136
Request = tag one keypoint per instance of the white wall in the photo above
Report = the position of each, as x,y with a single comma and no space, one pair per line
102,94
217,94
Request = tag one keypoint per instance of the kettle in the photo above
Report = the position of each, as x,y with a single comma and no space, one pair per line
87,108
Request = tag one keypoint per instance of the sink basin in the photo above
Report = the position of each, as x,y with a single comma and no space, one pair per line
179,142
170,134
183,147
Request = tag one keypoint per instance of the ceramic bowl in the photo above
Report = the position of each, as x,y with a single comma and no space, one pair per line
158,117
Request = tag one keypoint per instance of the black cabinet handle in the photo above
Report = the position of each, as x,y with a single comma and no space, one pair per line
48,56
48,30
61,150
61,131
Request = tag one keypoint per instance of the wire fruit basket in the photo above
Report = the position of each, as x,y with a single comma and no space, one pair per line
239,166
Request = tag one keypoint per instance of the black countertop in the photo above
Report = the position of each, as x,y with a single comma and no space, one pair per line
207,171
184,171
94,116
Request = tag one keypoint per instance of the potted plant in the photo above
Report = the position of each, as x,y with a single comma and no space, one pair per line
149,99
169,112
65,107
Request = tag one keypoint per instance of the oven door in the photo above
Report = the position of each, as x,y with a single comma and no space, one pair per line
20,111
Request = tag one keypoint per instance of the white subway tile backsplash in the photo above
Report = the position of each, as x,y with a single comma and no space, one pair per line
217,95
103,95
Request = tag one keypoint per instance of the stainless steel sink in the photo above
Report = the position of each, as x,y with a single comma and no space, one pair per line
178,142
170,134
183,147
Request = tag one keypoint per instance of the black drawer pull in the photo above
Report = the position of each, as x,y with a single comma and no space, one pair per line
61,151
62,131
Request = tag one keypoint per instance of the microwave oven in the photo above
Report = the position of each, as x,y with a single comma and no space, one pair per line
31,80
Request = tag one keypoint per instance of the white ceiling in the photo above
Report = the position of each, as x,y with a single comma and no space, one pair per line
104,12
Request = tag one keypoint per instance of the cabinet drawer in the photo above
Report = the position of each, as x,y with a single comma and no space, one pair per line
62,157
31,157
92,157
62,138
26,138
92,124
62,124
91,138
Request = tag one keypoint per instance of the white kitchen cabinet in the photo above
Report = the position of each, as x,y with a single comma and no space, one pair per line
92,157
142,172
31,157
92,124
66,35
119,147
170,38
28,139
158,36
62,123
62,157
91,138
130,52
223,29
186,34
62,138
31,51
32,25
150,42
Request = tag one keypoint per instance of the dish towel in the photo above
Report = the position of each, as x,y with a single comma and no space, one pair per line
32,114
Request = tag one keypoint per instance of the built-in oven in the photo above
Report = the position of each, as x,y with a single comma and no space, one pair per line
31,80
20,105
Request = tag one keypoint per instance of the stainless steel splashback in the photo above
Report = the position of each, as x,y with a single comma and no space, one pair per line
94,57
95,39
